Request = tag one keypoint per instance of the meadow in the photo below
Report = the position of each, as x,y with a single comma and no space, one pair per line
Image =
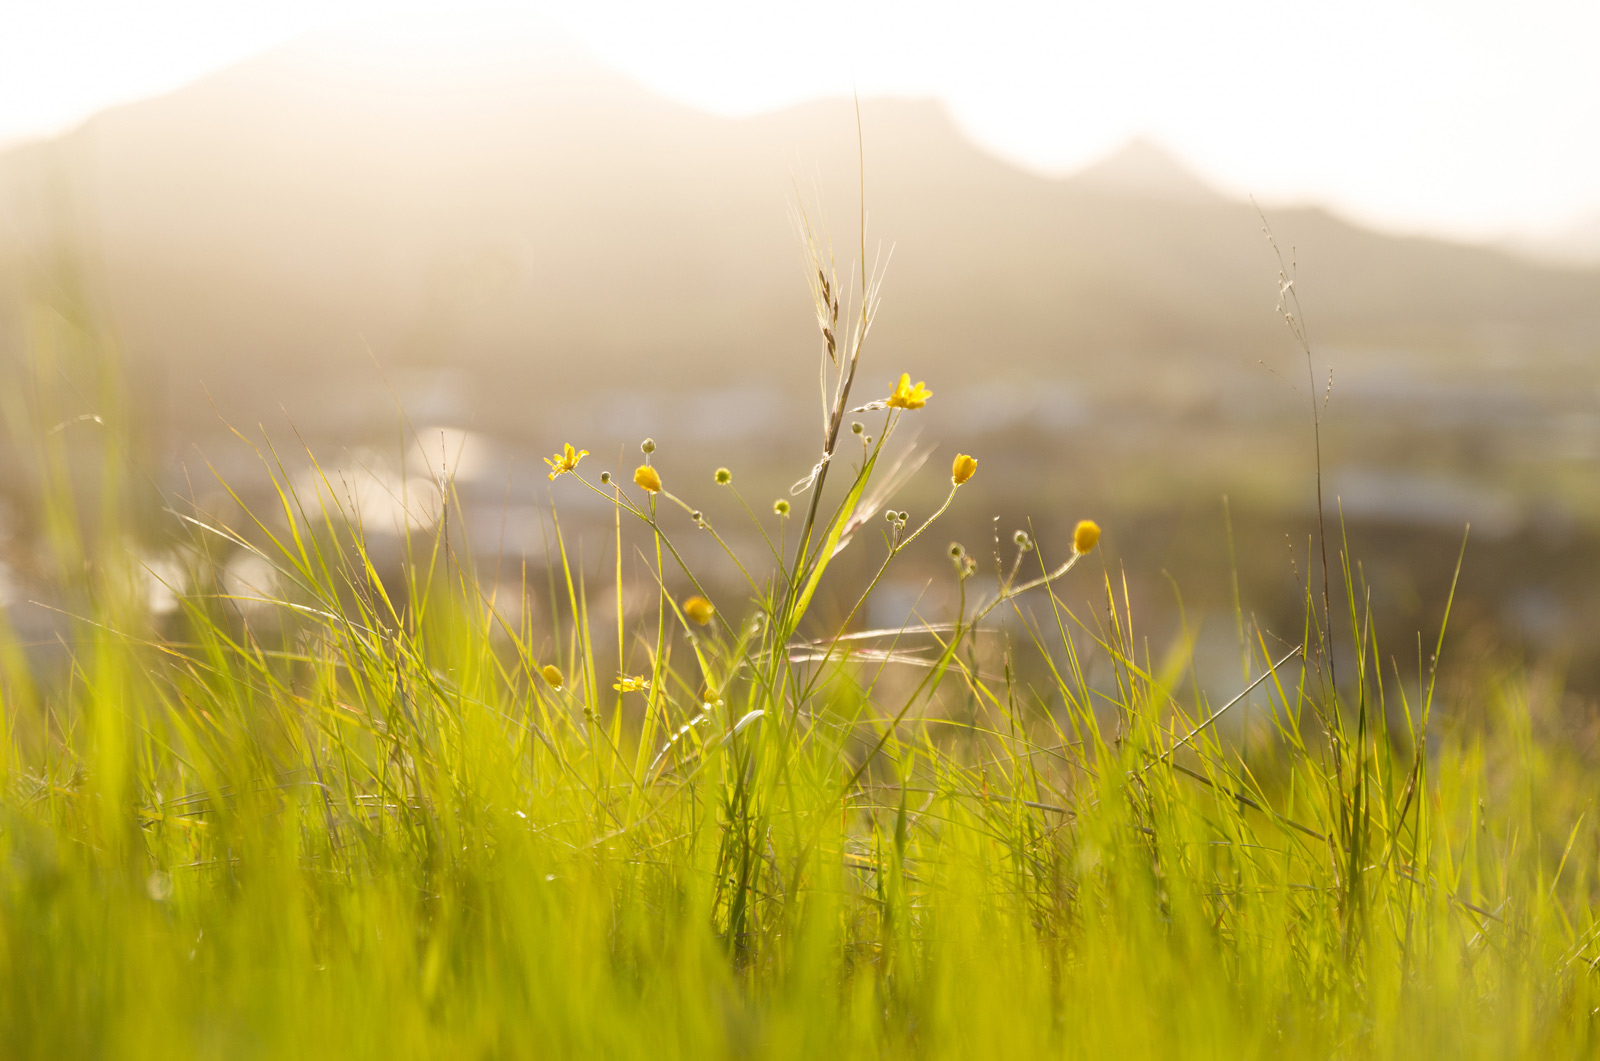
372,806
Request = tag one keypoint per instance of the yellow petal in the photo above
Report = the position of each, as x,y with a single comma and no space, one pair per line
1085,536
699,609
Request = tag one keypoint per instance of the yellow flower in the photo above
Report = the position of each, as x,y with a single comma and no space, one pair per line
1085,535
905,396
963,468
699,609
552,675
627,684
565,461
647,478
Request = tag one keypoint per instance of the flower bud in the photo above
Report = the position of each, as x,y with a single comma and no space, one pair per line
1085,535
647,478
963,468
699,609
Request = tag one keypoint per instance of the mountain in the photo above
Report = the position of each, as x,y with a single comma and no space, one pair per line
1142,170
525,235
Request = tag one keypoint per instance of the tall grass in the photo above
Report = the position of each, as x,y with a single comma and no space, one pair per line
370,810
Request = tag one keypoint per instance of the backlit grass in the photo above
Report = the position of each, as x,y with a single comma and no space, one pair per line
371,810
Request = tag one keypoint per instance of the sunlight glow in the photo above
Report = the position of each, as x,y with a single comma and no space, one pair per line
1460,118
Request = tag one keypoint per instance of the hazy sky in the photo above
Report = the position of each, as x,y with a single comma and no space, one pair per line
1468,118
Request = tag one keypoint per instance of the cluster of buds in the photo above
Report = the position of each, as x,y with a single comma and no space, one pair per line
965,564
897,522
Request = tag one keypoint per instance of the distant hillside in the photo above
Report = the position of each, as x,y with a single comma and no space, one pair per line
546,230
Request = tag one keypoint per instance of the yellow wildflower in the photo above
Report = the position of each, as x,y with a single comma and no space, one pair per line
552,675
1085,535
699,609
905,396
963,468
647,478
629,684
565,461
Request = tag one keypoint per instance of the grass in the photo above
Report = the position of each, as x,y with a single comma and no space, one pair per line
374,811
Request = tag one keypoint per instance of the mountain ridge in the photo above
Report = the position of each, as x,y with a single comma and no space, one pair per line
275,229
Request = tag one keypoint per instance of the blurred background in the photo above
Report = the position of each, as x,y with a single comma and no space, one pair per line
420,240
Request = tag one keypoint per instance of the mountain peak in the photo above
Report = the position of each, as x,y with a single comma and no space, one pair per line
1144,170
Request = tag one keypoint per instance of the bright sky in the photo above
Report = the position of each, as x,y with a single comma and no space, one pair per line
1462,117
